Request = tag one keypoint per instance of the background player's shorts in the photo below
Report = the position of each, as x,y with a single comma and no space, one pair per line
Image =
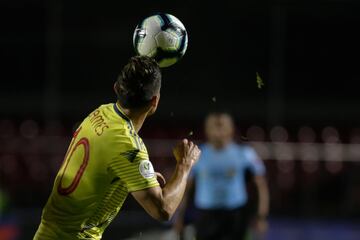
222,224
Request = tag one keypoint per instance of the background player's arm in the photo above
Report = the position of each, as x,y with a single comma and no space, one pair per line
258,169
180,216
263,193
161,203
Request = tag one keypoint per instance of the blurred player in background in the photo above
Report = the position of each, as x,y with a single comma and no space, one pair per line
220,187
107,160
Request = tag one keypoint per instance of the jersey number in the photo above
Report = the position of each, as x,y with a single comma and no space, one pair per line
82,142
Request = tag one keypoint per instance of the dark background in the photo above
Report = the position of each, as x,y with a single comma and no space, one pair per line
61,58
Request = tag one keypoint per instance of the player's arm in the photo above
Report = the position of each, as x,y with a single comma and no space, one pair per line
263,193
260,222
258,170
161,203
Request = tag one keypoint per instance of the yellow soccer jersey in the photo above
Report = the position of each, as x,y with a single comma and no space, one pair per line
105,161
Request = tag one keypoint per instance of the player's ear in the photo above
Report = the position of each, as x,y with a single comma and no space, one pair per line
116,88
153,104
154,101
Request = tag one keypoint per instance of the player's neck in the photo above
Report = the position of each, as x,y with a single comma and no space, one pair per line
137,117
221,145
137,120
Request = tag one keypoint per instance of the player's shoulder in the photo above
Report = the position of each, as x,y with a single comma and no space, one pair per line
111,122
130,147
105,108
249,152
127,145
242,147
205,150
104,122
126,138
118,122
204,146
104,112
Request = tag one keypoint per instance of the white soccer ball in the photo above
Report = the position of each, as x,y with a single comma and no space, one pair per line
161,36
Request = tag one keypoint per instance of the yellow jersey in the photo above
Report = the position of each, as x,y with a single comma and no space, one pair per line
105,161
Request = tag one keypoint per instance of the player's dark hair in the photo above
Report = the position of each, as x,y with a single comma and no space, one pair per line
138,82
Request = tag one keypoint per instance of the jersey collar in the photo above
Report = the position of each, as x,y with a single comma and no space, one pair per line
120,112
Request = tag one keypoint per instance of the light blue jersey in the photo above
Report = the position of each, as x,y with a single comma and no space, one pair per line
220,176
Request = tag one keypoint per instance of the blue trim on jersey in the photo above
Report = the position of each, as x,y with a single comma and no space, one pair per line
117,110
130,125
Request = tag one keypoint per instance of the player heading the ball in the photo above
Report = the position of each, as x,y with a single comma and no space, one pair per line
106,160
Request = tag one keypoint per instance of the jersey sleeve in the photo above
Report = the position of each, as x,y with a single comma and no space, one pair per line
254,162
133,167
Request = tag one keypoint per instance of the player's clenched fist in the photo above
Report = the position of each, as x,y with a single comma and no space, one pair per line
187,153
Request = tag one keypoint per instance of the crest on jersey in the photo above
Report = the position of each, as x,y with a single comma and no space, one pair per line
146,169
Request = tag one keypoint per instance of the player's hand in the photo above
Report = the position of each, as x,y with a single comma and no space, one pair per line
186,153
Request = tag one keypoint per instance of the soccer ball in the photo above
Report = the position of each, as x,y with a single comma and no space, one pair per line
161,36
